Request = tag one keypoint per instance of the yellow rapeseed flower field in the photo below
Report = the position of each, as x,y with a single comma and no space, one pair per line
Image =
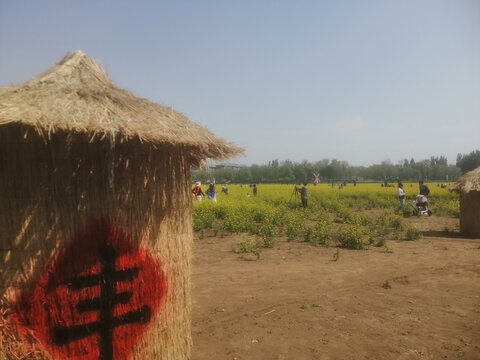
355,216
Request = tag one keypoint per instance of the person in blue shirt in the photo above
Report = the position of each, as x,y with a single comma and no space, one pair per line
211,191
424,190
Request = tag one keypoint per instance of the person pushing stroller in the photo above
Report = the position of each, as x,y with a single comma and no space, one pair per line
420,204
424,190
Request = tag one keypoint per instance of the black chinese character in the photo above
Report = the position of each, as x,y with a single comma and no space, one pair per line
107,279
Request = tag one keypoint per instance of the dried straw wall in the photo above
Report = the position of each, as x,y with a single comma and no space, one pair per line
50,191
470,213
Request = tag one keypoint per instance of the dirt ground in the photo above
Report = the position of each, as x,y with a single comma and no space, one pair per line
297,302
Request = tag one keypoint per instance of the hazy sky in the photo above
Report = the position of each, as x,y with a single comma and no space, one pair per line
361,81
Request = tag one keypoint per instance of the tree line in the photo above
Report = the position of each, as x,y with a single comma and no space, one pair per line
332,170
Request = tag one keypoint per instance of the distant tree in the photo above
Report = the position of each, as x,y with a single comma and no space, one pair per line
468,162
200,175
270,174
435,168
300,174
243,176
442,160
452,172
273,163
438,160
388,169
326,170
286,174
257,173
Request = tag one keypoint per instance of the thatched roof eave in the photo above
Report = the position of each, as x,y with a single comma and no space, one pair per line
468,182
76,96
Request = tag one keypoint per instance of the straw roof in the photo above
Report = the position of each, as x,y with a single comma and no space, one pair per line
468,182
76,96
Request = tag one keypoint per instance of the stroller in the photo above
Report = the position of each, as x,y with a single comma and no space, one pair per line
420,206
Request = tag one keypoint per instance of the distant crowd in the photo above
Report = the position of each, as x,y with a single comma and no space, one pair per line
419,205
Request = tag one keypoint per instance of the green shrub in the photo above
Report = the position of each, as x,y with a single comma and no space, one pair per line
216,226
220,212
371,239
249,247
396,222
351,238
268,242
406,212
413,233
308,234
343,216
382,219
380,242
295,222
383,231
266,230
259,215
362,220
321,232
203,218
240,220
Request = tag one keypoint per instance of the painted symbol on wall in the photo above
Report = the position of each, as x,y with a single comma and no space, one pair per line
96,297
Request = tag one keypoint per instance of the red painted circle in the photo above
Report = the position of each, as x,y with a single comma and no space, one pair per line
52,305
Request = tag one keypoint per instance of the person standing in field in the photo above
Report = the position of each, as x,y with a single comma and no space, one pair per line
255,190
197,190
212,191
424,190
303,194
401,198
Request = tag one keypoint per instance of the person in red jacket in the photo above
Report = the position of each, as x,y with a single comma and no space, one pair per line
197,190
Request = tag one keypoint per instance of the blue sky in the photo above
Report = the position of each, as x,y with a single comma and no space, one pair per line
361,81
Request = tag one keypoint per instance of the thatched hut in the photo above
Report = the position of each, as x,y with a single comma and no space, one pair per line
95,217
468,186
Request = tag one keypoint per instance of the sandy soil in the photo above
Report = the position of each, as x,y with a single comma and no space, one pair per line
297,302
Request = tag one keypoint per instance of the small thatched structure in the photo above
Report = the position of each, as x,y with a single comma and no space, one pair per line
468,186
95,217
